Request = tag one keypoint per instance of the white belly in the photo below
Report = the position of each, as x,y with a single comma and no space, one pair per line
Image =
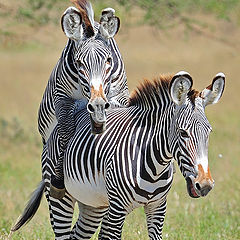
93,194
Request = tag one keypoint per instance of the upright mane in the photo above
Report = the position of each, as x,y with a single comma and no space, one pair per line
87,14
148,90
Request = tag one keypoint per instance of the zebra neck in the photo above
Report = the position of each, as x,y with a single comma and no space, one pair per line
154,156
67,63
159,147
69,52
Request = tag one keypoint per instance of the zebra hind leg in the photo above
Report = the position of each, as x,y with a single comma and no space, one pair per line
61,214
88,221
155,213
113,221
61,211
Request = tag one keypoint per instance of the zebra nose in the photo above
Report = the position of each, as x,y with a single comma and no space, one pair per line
204,188
91,108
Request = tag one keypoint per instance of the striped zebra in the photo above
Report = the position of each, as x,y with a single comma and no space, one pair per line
130,164
91,70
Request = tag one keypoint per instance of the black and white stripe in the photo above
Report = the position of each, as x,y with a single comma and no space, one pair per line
68,80
82,61
130,164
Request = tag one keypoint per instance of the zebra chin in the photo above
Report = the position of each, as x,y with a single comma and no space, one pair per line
97,127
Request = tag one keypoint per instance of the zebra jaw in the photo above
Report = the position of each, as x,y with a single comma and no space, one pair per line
97,128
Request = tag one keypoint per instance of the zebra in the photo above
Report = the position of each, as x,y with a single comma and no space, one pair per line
130,164
90,69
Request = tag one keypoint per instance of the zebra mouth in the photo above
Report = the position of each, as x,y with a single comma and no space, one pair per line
191,190
97,128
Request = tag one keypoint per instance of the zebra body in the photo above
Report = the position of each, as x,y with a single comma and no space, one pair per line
130,165
96,155
90,70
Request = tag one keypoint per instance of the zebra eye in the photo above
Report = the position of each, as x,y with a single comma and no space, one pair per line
183,133
79,63
109,61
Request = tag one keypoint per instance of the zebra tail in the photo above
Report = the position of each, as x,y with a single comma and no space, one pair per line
31,207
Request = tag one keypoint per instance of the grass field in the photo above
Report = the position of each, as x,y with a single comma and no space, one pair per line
24,74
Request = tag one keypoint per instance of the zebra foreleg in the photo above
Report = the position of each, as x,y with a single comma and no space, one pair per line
88,221
113,220
155,213
66,129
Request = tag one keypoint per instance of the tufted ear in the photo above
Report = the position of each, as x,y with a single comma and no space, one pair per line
213,92
180,85
72,23
109,23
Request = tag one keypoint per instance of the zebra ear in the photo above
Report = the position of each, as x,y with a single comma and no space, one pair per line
213,92
180,85
109,23
72,23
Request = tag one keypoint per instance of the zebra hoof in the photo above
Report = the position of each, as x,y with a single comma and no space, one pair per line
57,192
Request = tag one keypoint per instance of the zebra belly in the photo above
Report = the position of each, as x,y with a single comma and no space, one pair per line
89,193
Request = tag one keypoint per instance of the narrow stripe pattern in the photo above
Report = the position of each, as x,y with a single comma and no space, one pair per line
68,89
92,58
130,164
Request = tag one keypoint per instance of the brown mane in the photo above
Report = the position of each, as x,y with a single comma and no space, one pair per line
193,94
81,5
148,89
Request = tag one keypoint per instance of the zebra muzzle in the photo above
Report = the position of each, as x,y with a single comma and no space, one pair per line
97,128
201,185
97,108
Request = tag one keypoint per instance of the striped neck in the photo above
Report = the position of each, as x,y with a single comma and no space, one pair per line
156,108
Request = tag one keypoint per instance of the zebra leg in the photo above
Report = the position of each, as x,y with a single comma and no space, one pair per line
61,211
61,214
66,129
88,221
155,213
113,220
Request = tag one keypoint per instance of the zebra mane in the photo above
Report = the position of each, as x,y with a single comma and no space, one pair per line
87,14
148,90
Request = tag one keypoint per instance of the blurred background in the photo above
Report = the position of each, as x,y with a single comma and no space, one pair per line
156,36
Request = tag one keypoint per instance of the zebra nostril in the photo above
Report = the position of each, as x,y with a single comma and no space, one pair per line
90,108
198,186
107,106
206,190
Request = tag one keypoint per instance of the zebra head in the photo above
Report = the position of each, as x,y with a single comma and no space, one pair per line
190,129
94,60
